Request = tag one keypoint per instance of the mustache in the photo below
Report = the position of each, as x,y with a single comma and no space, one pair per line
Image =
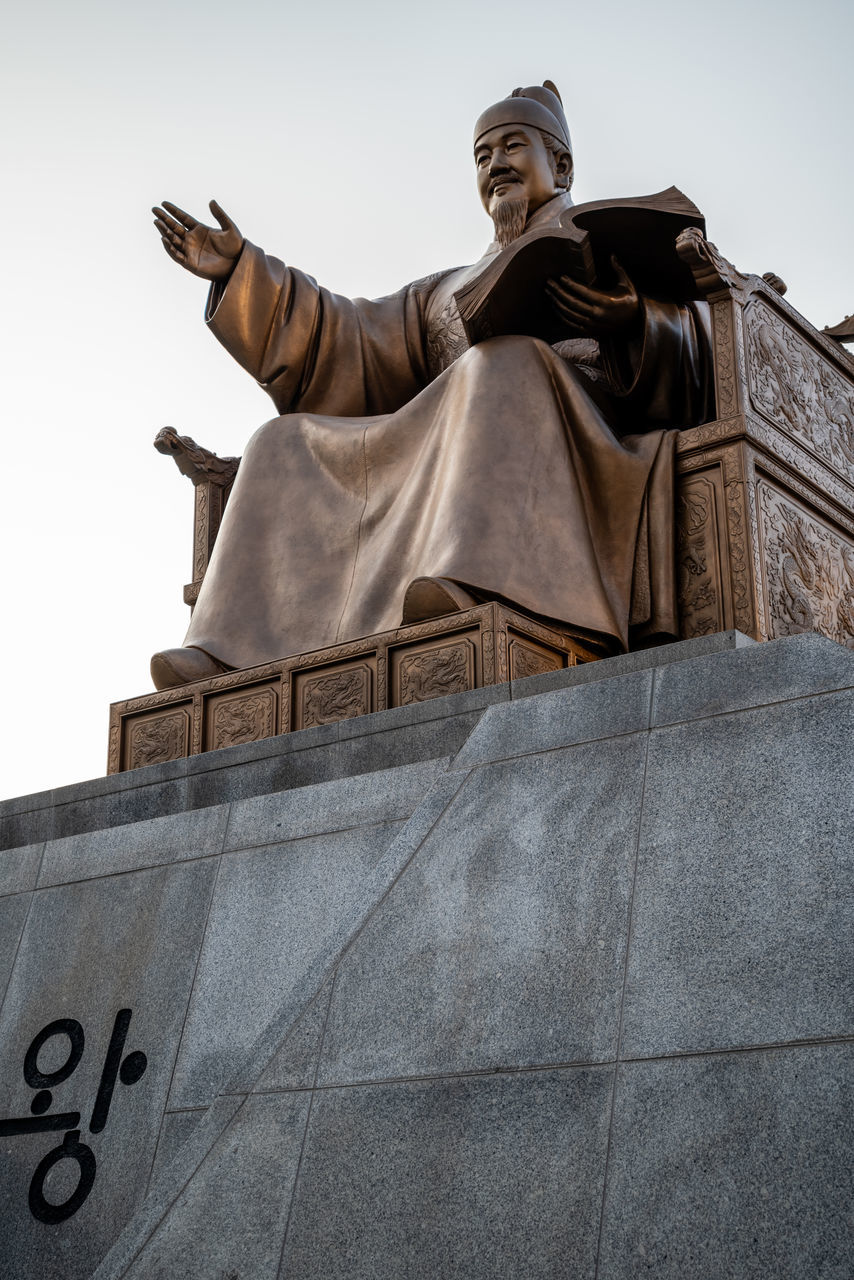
504,175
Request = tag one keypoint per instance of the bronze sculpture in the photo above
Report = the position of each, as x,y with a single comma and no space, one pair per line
412,473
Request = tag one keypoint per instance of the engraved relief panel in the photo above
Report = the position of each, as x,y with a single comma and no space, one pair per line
327,696
245,716
700,580
808,568
157,738
797,388
433,670
530,659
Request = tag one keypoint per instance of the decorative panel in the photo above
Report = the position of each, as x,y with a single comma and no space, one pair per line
527,658
433,670
156,738
337,694
796,387
698,555
242,716
808,568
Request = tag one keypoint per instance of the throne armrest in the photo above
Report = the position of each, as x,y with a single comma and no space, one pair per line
212,479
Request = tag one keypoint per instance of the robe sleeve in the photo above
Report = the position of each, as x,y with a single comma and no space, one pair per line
314,351
665,378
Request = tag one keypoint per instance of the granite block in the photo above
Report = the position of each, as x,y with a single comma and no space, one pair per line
277,913
13,915
175,1129
295,1063
750,677
550,720
383,796
88,951
178,837
624,663
168,1178
19,868
732,1165
375,888
481,1178
27,826
504,942
268,774
744,907
320,735
116,808
431,739
230,1220
454,704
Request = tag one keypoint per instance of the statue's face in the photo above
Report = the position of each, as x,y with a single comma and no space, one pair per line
513,163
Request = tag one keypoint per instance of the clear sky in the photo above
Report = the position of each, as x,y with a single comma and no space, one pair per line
338,135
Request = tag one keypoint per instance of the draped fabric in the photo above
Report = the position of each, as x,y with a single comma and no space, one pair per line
540,476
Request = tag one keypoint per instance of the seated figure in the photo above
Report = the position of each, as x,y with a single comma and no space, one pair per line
410,474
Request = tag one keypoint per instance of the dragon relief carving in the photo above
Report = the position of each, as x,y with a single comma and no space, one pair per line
434,674
699,603
243,720
157,740
809,570
336,695
796,388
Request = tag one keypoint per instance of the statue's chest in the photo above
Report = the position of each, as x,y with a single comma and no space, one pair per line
446,337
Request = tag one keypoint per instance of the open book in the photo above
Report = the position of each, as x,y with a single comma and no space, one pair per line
509,296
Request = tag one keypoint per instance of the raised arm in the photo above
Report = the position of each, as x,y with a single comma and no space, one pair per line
203,250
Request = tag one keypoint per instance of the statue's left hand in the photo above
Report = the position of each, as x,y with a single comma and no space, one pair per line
596,313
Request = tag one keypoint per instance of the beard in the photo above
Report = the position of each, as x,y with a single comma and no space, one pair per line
509,218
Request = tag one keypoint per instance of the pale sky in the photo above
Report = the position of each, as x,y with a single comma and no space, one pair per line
338,135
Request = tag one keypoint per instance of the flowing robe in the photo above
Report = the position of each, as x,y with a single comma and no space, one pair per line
540,476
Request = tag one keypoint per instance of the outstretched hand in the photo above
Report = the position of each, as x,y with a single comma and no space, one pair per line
596,313
203,250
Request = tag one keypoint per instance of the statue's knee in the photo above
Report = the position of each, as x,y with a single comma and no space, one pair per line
265,435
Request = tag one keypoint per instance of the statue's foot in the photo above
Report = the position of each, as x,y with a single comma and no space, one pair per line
434,598
179,666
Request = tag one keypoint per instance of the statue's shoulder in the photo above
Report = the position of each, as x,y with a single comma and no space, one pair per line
427,285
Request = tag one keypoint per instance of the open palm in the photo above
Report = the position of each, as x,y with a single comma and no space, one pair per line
206,251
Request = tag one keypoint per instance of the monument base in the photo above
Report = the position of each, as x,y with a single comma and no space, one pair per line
550,978
482,646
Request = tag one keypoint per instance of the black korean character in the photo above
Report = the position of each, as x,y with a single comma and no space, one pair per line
129,1070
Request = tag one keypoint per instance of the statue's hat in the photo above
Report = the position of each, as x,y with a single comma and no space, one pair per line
538,107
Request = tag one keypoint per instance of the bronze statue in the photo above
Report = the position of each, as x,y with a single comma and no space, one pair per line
411,472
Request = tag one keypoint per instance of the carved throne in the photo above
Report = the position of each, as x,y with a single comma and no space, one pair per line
765,492
765,544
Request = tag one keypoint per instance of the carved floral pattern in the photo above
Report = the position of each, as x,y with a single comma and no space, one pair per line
722,321
794,386
809,571
696,533
446,338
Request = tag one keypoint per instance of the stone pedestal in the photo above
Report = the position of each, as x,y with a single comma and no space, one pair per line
550,978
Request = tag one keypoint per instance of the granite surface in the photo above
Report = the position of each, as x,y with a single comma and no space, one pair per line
552,979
